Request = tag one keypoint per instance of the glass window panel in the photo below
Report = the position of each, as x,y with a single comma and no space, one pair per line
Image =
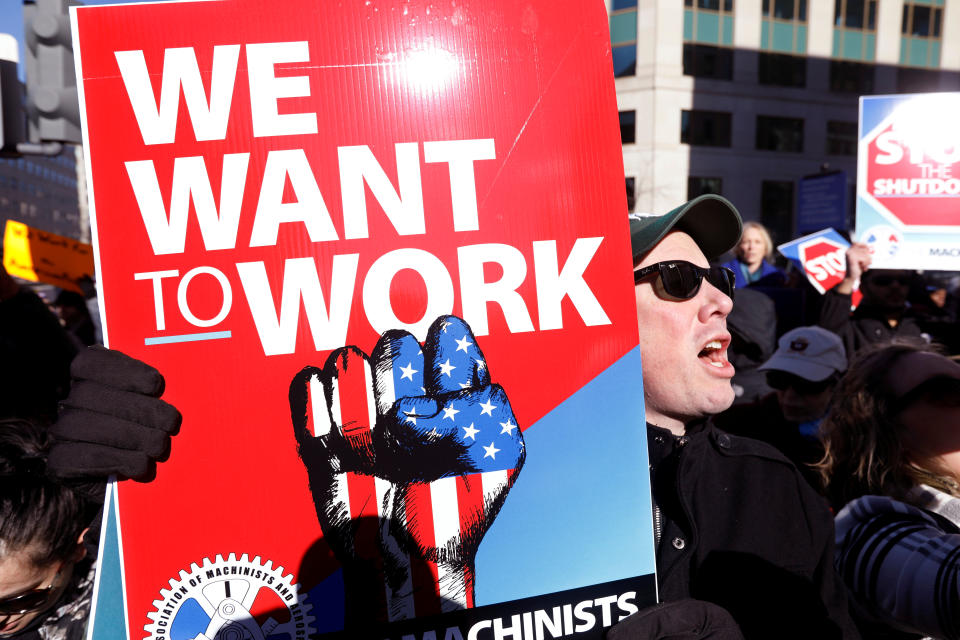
841,138
838,12
706,128
628,127
625,60
921,21
779,134
782,70
776,208
854,17
906,19
710,5
872,15
766,8
728,5
936,22
783,9
802,10
623,4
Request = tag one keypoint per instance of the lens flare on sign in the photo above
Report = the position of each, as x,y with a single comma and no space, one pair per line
929,127
429,68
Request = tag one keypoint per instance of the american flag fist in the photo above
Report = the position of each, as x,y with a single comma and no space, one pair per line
410,455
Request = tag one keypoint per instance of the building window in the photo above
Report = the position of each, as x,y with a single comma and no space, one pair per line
631,184
911,80
920,38
851,77
623,37
625,60
776,208
628,127
855,30
705,128
783,27
856,14
841,138
779,134
697,186
708,22
706,61
781,70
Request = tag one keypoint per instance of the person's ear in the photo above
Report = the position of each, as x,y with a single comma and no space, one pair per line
81,550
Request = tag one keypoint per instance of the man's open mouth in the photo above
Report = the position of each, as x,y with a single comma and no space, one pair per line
714,353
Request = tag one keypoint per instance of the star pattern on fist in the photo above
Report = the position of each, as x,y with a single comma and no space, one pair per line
491,452
470,432
463,343
449,412
488,408
507,427
446,368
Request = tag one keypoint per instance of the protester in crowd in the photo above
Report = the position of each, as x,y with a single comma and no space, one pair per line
882,315
35,354
753,338
46,574
893,451
735,522
753,254
72,309
804,372
936,305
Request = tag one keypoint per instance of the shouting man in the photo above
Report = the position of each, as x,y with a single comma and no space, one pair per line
735,522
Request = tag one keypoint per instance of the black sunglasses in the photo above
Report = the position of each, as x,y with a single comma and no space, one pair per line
682,279
781,381
28,601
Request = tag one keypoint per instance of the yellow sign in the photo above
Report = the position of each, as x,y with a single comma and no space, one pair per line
39,256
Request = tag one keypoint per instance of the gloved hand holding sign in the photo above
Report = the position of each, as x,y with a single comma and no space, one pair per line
410,455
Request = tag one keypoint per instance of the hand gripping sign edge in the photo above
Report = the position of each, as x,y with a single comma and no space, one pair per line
410,454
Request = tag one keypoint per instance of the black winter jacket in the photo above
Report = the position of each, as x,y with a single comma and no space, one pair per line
865,326
739,526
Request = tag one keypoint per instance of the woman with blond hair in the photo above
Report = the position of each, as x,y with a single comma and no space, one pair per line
892,442
753,255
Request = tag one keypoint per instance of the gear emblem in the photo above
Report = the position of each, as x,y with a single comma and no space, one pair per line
231,599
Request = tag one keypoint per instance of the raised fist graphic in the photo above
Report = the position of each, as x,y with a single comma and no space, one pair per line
410,454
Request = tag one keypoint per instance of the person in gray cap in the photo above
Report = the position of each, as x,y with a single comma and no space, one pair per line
803,371
735,523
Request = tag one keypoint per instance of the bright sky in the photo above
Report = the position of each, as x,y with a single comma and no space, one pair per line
11,19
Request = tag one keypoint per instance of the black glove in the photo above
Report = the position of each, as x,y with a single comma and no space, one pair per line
113,421
678,620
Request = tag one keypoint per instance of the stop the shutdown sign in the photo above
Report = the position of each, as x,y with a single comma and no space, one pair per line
824,261
908,180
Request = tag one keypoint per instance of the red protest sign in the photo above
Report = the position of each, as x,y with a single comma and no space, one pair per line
293,210
824,261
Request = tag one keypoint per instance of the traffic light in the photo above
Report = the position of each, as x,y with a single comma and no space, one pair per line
53,109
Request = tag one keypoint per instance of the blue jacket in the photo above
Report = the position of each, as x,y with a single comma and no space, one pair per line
738,269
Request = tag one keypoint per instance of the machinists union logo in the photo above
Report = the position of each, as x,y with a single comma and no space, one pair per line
231,599
884,241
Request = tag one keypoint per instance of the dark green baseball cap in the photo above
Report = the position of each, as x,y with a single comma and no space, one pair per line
712,222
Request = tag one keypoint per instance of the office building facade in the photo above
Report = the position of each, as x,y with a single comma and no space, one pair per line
745,97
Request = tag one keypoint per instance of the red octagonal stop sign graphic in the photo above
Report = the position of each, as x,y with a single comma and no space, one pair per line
912,175
825,262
